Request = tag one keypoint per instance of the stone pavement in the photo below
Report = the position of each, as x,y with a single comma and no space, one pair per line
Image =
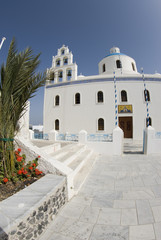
120,200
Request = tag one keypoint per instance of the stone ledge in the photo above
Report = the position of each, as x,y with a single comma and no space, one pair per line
27,213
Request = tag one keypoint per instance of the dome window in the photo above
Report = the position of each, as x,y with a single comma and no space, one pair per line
118,64
123,96
77,98
57,124
100,97
146,95
57,100
133,66
100,124
104,68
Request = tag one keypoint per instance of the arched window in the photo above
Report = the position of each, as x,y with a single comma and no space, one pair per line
57,124
62,51
100,124
133,66
123,96
118,64
58,62
60,76
69,74
57,100
104,68
65,61
77,98
146,95
100,97
150,122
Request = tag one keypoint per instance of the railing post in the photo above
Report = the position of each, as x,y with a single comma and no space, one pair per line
117,141
82,138
53,135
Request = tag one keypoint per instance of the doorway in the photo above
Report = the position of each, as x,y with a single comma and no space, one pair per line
126,124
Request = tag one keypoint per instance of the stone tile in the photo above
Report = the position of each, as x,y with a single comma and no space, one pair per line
109,216
72,210
138,182
157,228
83,200
90,215
157,190
128,217
104,232
76,229
134,195
57,223
124,204
102,202
141,232
144,211
56,236
149,180
157,213
155,202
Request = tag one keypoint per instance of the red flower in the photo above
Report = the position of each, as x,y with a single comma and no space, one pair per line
19,159
5,180
39,156
19,172
30,168
28,176
19,149
34,164
24,172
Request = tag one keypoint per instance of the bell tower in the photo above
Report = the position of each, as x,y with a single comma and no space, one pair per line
63,69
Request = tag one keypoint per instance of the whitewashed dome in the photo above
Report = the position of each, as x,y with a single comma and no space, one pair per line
117,62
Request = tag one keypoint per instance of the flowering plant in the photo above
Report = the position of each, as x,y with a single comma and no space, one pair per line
22,170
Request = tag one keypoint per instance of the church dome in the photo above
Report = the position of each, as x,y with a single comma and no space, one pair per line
117,62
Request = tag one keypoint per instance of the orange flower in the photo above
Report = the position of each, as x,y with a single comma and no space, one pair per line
5,180
19,172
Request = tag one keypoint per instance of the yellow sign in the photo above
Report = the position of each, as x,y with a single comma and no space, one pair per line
124,108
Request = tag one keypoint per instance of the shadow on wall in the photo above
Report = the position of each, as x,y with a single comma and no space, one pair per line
3,235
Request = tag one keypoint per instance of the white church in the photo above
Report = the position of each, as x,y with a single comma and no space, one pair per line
118,96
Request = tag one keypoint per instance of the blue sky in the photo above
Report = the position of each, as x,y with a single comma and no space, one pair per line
88,27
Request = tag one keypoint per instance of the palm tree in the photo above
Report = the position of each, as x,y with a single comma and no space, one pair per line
19,81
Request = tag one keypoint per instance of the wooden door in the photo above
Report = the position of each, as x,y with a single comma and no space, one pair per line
125,123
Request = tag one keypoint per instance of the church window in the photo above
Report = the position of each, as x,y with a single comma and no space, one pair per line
100,97
60,76
57,100
133,66
123,96
69,74
65,60
57,124
62,51
150,122
104,67
146,95
100,124
58,62
77,98
118,64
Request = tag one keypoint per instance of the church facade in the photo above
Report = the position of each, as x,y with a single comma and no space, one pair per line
118,96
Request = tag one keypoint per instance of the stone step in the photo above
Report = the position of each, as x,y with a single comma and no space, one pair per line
81,176
60,153
71,154
80,161
131,146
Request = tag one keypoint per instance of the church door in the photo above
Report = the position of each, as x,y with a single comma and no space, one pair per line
125,123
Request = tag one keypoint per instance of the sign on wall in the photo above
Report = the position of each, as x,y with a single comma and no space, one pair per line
124,108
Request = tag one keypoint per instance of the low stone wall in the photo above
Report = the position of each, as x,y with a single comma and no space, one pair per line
31,224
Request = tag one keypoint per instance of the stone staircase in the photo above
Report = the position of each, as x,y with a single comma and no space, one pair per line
131,146
79,159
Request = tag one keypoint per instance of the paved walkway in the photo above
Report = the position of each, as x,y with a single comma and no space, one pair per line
120,200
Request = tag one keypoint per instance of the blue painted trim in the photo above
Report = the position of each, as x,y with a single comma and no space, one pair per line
112,54
100,80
